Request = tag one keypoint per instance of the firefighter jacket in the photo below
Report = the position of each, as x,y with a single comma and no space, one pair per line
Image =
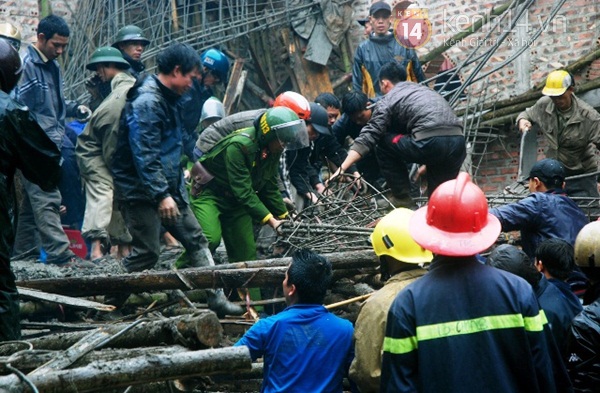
571,141
466,327
96,144
146,163
369,331
246,173
372,54
409,109
541,216
41,89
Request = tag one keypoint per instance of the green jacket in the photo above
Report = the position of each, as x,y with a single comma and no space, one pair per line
96,144
573,144
246,174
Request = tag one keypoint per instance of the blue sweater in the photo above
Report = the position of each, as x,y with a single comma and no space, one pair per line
305,348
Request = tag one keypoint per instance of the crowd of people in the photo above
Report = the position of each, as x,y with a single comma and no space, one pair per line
161,161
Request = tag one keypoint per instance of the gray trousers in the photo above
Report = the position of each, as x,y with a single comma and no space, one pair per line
144,223
39,225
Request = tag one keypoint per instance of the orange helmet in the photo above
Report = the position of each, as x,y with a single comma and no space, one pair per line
295,102
456,221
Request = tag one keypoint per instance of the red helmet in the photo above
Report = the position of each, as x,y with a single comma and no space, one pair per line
295,102
456,221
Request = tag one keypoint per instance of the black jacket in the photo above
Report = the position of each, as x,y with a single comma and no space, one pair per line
146,163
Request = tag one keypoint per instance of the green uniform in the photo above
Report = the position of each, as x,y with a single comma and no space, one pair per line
244,190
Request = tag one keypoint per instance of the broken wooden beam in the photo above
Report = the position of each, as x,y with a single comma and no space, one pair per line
199,330
134,371
27,361
35,294
241,274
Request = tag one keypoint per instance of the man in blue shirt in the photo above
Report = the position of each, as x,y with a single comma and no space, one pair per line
305,348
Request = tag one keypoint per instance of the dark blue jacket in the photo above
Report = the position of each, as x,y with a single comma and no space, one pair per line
466,327
305,349
541,216
559,309
146,163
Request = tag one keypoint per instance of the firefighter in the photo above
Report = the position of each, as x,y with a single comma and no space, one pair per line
401,263
462,314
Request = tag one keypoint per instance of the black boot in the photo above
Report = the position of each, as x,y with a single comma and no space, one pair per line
218,302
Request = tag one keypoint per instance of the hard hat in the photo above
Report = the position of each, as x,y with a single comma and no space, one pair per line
212,109
295,102
587,246
319,119
284,125
217,62
11,66
456,221
130,33
107,54
557,83
12,34
390,237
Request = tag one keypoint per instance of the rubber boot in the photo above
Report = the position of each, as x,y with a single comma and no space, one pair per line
218,302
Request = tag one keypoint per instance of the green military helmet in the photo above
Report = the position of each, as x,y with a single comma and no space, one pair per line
12,34
283,124
130,33
587,246
107,54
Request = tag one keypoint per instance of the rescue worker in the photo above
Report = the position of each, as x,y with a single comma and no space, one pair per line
146,169
236,183
583,342
545,213
130,41
217,131
214,70
401,262
332,105
11,34
410,124
465,327
381,48
24,146
558,309
304,164
571,127
305,348
103,224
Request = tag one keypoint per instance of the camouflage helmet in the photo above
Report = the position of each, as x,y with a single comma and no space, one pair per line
130,33
107,54
11,33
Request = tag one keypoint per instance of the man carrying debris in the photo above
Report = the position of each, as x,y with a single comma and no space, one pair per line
146,168
465,327
401,261
410,124
95,148
304,348
546,213
571,127
24,146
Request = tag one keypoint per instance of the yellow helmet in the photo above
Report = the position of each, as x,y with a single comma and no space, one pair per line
557,83
11,33
391,238
587,246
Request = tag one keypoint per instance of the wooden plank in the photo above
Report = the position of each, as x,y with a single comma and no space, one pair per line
35,294
233,86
